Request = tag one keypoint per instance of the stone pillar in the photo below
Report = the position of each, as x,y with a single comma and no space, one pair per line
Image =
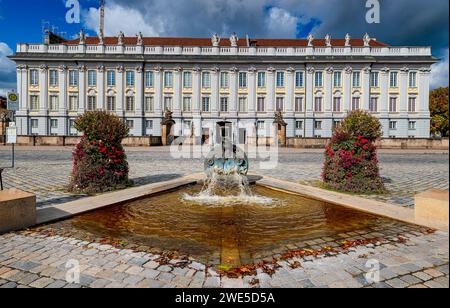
384,100
101,88
196,97
139,108
215,92
43,101
271,91
82,89
423,107
120,91
328,97
158,90
366,88
309,101
403,88
252,92
234,84
290,85
177,88
22,90
63,100
347,100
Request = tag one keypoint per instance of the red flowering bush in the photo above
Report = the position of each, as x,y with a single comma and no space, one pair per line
351,162
99,160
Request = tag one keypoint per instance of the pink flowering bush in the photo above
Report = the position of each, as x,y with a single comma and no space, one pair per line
351,162
99,160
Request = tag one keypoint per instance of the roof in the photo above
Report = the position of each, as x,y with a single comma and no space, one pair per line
206,42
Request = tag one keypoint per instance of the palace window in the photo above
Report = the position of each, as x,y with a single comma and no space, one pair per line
54,102
206,104
72,129
356,103
73,78
149,104
206,80
111,103
168,80
149,124
393,80
130,124
167,103
149,79
53,75
111,78
280,79
261,125
92,103
242,80
53,123
261,79
34,123
224,80
298,104
73,103
412,104
187,104
337,104
318,104
337,79
92,78
242,104
34,77
279,106
393,104
373,104
34,102
412,125
393,125
336,123
129,104
299,124
224,104
299,80
412,79
318,79
356,79
318,125
261,105
187,80
130,78
374,80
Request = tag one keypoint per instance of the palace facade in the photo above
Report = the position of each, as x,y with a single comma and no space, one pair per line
313,82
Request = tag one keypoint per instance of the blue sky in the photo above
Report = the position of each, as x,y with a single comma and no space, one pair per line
403,22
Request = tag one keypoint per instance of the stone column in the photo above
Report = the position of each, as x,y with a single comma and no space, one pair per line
101,88
252,92
347,101
120,91
139,108
63,100
290,85
43,101
423,106
384,100
328,97
366,88
177,88
215,92
196,94
271,91
22,89
158,90
234,84
309,101
403,88
82,89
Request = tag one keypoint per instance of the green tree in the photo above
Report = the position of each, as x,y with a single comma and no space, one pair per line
439,111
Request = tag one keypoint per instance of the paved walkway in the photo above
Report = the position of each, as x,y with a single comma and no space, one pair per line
39,260
45,171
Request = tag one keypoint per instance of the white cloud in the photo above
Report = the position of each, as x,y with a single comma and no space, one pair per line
5,63
280,23
119,18
439,73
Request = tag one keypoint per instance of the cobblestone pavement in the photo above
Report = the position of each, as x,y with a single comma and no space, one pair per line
46,171
35,259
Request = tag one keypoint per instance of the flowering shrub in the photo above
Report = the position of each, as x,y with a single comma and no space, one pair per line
351,162
99,160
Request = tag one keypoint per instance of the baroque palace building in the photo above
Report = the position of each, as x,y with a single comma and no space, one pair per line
313,82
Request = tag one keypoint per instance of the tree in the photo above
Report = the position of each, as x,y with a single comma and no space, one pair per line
439,111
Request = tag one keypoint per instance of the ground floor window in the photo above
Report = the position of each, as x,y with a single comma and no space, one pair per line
318,124
412,125
149,124
261,125
299,124
393,125
34,123
53,123
130,124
